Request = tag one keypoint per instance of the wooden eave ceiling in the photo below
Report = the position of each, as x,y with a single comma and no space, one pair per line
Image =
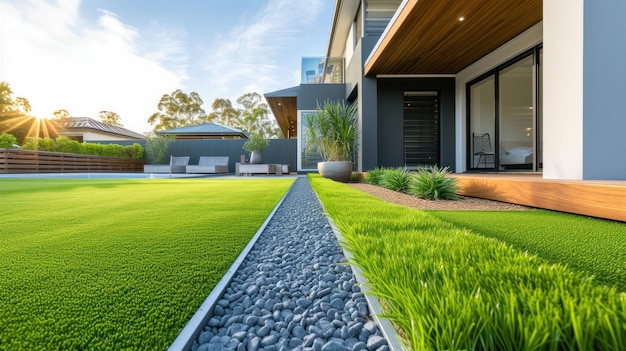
286,113
428,38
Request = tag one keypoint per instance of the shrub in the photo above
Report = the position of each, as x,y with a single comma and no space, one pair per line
7,141
30,144
47,144
92,149
67,145
134,151
396,179
374,176
157,148
356,177
113,150
433,184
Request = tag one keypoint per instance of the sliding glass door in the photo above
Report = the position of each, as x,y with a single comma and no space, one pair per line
505,117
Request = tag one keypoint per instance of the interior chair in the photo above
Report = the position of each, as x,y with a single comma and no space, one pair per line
482,148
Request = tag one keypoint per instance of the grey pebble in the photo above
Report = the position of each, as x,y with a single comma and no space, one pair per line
293,291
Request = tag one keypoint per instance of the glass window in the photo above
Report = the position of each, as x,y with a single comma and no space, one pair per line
482,123
516,115
505,117
308,159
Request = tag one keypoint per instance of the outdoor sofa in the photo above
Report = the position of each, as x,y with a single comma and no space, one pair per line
209,164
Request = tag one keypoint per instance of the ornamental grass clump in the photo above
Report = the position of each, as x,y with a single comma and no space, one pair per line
396,179
374,176
447,288
433,183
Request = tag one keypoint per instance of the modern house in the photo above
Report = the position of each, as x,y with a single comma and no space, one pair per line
205,131
481,86
84,129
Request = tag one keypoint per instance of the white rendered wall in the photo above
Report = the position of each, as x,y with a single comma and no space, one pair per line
563,89
93,136
516,46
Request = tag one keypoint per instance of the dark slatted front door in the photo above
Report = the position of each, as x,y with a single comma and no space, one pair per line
421,129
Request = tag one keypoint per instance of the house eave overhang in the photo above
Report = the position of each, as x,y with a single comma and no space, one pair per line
284,107
429,37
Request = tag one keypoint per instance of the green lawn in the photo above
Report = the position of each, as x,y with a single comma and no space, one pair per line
594,246
118,264
450,288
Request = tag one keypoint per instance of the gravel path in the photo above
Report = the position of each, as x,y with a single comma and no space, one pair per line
294,290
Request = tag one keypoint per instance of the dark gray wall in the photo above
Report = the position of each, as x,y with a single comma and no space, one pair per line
391,115
368,106
281,151
310,95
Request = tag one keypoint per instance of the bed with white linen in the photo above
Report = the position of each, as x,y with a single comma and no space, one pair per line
515,153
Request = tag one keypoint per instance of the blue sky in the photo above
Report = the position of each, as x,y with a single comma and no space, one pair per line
123,55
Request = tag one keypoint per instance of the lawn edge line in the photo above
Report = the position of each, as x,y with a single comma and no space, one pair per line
376,310
385,325
198,321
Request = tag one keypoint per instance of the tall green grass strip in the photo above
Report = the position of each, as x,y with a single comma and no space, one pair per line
113,264
594,246
449,289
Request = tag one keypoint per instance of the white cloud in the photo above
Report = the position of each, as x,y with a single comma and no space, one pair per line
56,60
256,45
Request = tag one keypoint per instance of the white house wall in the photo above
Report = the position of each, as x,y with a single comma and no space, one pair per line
563,89
523,42
91,136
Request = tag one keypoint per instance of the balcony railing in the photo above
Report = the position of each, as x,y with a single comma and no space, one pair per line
322,70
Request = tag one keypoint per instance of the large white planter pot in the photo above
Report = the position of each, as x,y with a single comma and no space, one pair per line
338,171
256,157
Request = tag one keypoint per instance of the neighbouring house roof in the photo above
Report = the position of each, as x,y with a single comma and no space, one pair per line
205,131
81,123
283,104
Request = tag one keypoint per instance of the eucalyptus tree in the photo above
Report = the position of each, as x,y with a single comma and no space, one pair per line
176,110
110,118
253,117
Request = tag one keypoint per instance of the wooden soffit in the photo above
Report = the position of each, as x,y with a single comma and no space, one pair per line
429,37
285,110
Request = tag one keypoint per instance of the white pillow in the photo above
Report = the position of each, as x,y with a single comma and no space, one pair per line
520,151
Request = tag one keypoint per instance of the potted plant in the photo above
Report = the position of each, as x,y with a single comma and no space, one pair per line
332,129
255,146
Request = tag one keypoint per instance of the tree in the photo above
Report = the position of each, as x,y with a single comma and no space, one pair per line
177,110
224,113
14,118
252,118
6,98
60,114
110,118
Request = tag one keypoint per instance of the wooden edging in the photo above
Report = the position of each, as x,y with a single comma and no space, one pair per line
198,321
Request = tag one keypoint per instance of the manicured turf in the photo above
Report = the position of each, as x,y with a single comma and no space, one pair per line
448,288
591,245
118,264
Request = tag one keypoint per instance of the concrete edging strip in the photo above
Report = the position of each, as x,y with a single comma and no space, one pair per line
194,326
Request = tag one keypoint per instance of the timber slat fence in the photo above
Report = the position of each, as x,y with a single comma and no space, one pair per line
28,161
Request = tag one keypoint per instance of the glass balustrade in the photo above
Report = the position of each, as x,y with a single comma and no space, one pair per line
322,70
